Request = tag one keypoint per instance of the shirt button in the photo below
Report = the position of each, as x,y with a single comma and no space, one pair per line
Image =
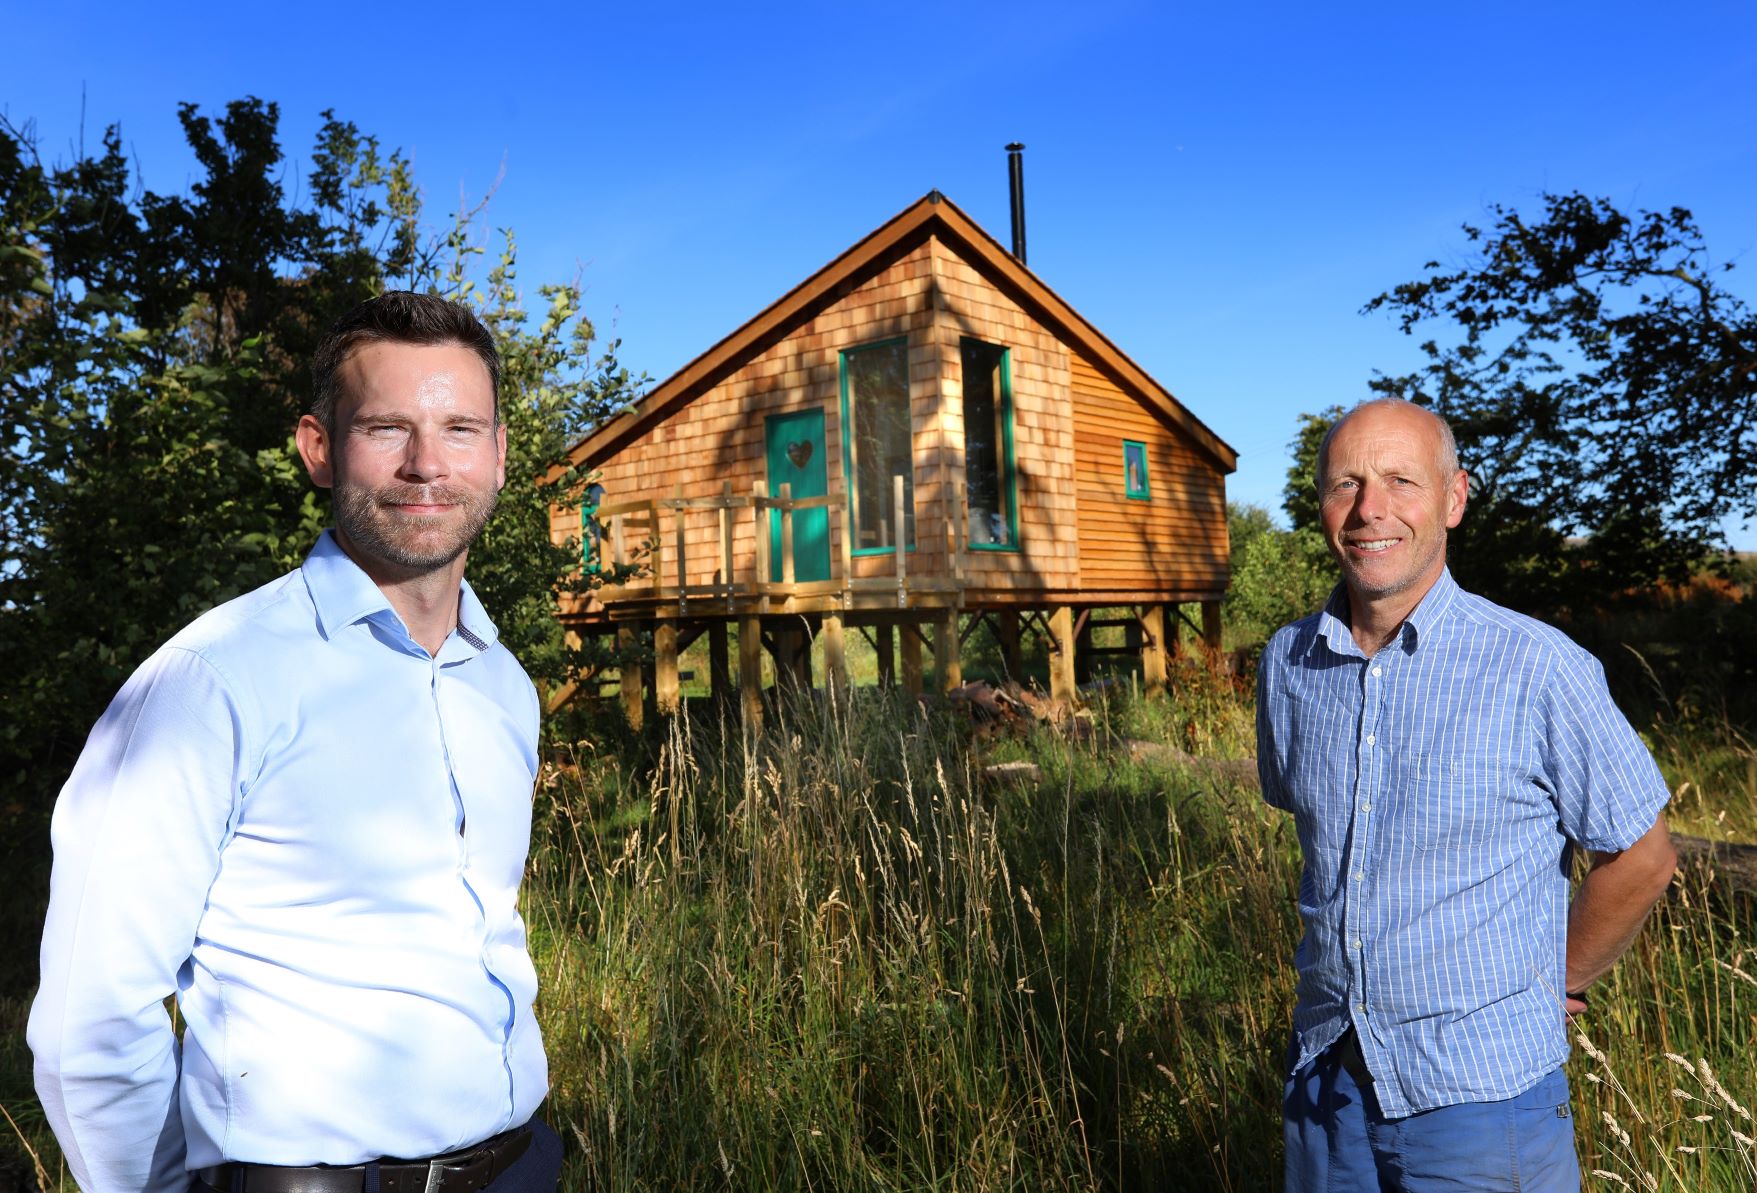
1359,875
1366,807
1372,739
1361,1007
1357,942
1378,671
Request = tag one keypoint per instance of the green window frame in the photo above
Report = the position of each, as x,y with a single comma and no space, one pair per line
1135,483
591,534
875,389
990,472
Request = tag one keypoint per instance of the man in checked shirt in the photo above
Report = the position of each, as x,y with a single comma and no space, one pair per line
1443,758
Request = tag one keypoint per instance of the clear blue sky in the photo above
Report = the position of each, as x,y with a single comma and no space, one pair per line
1217,187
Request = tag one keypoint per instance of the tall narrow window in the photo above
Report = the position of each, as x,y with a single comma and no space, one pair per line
988,447
875,416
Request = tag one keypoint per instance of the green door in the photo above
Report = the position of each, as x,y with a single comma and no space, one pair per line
796,457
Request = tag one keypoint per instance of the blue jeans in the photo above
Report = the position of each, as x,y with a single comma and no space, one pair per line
1338,1141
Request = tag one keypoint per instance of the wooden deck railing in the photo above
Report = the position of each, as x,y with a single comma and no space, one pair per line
634,533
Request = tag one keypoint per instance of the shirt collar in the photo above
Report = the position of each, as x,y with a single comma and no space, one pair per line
1418,627
344,595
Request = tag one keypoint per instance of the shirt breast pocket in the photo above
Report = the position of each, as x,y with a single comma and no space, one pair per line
1456,800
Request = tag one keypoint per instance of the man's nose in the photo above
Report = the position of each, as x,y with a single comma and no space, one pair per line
423,456
1369,501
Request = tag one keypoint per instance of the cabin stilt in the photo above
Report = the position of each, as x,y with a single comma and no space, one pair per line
947,658
1061,655
1006,628
719,661
911,652
886,641
750,670
627,642
835,653
1151,631
1211,625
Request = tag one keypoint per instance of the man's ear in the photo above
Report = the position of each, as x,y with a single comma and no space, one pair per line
500,457
1457,494
316,450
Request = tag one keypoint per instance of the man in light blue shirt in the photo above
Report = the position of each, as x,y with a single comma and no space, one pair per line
1443,758
307,816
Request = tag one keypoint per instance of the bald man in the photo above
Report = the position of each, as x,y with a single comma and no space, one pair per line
1443,758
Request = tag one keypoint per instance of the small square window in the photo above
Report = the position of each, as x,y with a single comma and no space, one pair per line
1135,470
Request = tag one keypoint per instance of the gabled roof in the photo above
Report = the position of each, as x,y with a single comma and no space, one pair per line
931,215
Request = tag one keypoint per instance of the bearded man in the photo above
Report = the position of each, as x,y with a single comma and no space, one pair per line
1444,758
306,817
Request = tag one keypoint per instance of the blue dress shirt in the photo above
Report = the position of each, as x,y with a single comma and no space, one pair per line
1436,788
313,833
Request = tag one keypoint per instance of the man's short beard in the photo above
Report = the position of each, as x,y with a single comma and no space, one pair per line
371,527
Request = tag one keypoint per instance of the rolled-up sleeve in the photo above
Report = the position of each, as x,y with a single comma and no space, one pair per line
1608,791
137,836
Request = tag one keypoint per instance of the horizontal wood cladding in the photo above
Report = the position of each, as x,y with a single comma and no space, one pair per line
1174,540
1078,531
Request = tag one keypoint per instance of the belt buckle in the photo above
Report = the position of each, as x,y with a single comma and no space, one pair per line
459,1164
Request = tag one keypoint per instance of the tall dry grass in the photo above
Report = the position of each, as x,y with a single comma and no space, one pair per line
840,956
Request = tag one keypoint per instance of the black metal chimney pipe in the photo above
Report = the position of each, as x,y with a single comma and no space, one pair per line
1016,182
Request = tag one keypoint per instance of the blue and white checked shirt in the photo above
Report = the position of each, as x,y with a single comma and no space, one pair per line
314,834
1435,788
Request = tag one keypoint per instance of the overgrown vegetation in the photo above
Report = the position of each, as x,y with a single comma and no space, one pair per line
842,956
153,362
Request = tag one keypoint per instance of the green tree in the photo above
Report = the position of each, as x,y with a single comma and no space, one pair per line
153,360
1601,384
1278,575
1299,497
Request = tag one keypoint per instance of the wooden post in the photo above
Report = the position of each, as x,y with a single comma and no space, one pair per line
719,659
725,557
899,547
626,641
787,536
945,651
1006,624
847,552
677,515
1211,625
911,644
1083,653
759,491
750,670
835,653
1153,651
667,693
1061,655
887,655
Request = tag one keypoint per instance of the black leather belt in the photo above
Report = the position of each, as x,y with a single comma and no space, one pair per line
464,1171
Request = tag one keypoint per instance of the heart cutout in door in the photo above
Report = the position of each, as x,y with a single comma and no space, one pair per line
799,451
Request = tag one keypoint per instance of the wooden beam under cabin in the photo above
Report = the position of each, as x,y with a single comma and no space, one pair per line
911,652
667,691
835,654
750,671
627,641
1153,652
1061,655
946,658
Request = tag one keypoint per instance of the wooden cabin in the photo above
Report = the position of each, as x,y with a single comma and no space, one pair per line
919,436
